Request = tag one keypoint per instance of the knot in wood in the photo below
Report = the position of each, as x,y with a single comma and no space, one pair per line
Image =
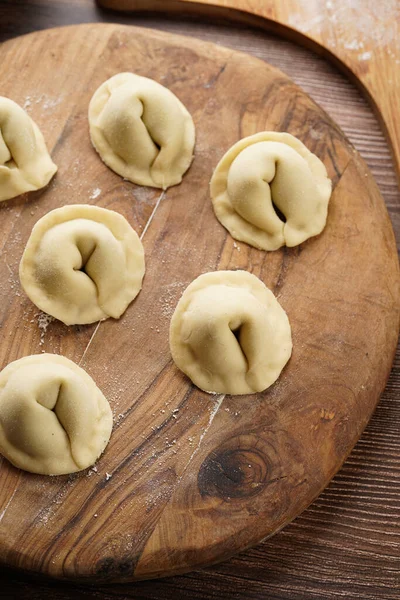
234,471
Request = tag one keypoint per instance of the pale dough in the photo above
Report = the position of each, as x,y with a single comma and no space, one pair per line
262,170
53,418
229,334
141,130
82,264
25,164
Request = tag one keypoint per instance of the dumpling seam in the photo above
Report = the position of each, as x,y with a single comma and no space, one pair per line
62,426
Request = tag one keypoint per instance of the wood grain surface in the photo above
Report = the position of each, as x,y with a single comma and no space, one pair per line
188,479
347,538
362,36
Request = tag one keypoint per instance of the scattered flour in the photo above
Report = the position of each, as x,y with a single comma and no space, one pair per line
316,135
44,321
169,298
92,471
47,102
354,45
95,194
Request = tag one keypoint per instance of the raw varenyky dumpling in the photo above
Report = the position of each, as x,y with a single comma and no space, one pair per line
264,170
229,334
141,130
25,164
53,418
82,264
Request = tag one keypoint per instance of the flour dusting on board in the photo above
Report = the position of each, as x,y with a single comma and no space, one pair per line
50,510
95,193
44,321
48,103
141,195
365,56
170,296
376,22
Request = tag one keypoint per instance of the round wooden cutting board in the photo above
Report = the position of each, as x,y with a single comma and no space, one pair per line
189,478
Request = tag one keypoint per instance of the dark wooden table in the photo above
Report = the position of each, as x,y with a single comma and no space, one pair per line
347,544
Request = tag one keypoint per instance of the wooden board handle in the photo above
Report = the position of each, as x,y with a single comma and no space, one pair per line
362,38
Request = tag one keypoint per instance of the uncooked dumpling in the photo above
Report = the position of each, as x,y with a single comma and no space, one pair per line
264,170
82,264
25,164
53,417
141,130
229,334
